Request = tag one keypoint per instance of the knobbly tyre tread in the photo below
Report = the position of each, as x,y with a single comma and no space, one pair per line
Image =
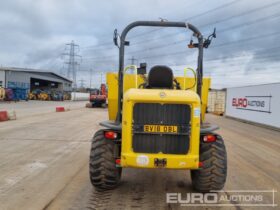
104,174
212,175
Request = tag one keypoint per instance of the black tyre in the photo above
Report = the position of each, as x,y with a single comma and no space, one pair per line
102,167
212,175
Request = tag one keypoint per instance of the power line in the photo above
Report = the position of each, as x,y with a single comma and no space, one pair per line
224,30
82,83
243,13
256,52
183,52
248,39
72,62
181,41
235,61
132,59
216,70
189,18
90,77
220,45
195,16
211,23
251,22
53,62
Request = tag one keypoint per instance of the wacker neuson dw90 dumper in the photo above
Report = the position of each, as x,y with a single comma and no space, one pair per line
156,120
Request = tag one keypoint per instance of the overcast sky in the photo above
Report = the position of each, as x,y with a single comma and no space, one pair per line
246,50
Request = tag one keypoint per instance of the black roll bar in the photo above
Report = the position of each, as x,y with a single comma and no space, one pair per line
157,24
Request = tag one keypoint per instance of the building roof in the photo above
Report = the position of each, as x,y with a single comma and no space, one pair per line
41,71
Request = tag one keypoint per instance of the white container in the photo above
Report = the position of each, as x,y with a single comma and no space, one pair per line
76,96
258,103
216,101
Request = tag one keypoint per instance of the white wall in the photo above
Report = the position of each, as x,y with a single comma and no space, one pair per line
2,77
260,104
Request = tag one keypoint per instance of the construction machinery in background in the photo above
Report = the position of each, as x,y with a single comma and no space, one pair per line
158,121
32,95
9,94
2,94
44,96
48,95
98,97
67,95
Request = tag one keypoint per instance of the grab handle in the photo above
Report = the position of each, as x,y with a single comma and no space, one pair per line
185,74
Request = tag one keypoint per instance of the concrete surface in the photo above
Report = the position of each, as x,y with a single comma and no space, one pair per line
44,165
30,108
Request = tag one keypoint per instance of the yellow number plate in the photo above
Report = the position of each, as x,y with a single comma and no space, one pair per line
160,129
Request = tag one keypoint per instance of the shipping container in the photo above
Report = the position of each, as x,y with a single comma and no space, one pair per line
258,104
216,101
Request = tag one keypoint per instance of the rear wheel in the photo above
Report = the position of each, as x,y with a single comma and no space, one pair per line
212,175
103,171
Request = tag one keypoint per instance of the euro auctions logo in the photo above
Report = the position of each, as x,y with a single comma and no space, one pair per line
253,103
240,102
253,198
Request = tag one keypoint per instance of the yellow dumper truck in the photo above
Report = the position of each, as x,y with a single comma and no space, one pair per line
156,120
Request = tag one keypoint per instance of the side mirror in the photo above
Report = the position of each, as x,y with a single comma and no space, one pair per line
116,38
207,42
142,69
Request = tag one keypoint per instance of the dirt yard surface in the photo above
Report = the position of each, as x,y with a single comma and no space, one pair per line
44,165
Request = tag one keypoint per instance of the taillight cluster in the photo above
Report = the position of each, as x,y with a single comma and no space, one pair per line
110,135
209,138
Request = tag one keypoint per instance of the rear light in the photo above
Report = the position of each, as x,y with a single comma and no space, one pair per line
118,161
110,135
200,164
209,138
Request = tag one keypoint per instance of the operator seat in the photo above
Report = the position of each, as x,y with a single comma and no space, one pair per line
160,77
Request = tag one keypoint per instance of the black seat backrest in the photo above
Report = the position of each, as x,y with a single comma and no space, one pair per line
160,77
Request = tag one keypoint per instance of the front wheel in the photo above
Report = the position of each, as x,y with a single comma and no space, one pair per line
102,167
212,175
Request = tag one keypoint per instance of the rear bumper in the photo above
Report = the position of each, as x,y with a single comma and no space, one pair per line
142,160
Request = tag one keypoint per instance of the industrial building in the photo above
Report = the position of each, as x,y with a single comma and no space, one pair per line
30,79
